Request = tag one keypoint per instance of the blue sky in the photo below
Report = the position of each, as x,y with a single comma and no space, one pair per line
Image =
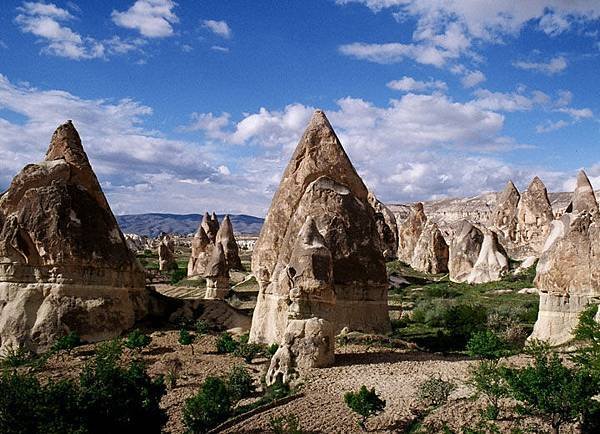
193,105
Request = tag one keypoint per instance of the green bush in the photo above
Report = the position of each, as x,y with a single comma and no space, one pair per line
107,398
486,345
66,343
435,391
201,327
587,333
240,383
488,380
549,389
465,319
186,338
226,344
277,390
365,403
210,407
288,424
178,275
248,351
136,340
16,356
272,349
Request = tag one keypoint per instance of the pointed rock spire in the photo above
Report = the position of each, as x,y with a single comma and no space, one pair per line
226,238
217,265
319,153
201,237
534,215
584,198
210,224
66,144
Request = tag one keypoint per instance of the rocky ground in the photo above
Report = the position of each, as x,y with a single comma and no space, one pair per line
395,374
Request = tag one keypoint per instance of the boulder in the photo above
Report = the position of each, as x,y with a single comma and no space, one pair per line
464,250
409,232
217,274
492,262
64,263
431,251
386,227
226,238
320,182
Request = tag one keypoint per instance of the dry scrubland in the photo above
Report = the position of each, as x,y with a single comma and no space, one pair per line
430,330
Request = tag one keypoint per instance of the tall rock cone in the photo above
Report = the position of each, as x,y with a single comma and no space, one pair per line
410,231
504,216
210,224
583,198
387,228
200,254
534,215
226,238
320,182
64,263
217,274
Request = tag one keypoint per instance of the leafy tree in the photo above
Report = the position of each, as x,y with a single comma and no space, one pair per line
550,389
209,407
365,403
136,340
587,333
463,320
486,345
186,338
226,343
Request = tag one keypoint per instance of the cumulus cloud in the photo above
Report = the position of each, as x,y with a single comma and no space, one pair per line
550,126
152,18
448,29
47,22
220,28
409,84
553,66
473,78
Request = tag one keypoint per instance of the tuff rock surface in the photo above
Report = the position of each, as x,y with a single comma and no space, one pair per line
166,255
64,263
226,238
386,227
492,262
217,274
431,251
320,182
464,251
409,232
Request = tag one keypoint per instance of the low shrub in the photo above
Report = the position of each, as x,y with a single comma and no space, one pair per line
240,383
136,340
16,356
486,345
201,327
210,407
226,344
248,351
288,424
178,275
272,349
365,403
187,339
435,391
488,380
66,343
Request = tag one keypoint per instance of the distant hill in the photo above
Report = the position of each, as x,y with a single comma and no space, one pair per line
153,224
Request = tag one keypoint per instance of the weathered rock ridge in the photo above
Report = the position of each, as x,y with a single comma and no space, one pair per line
64,263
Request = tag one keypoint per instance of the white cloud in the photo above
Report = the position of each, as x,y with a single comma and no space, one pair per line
409,84
449,28
473,78
550,126
507,102
220,48
152,18
553,66
584,113
46,21
220,28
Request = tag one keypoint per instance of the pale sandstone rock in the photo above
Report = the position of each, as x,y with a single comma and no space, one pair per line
166,255
226,238
201,252
504,217
210,224
409,232
534,215
387,228
320,182
64,263
431,251
464,251
492,262
217,274
583,198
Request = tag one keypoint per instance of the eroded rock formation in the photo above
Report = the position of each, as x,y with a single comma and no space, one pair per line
210,224
464,251
64,263
201,252
567,272
226,238
320,182
387,228
492,262
217,274
409,232
166,255
431,251
534,215
504,217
